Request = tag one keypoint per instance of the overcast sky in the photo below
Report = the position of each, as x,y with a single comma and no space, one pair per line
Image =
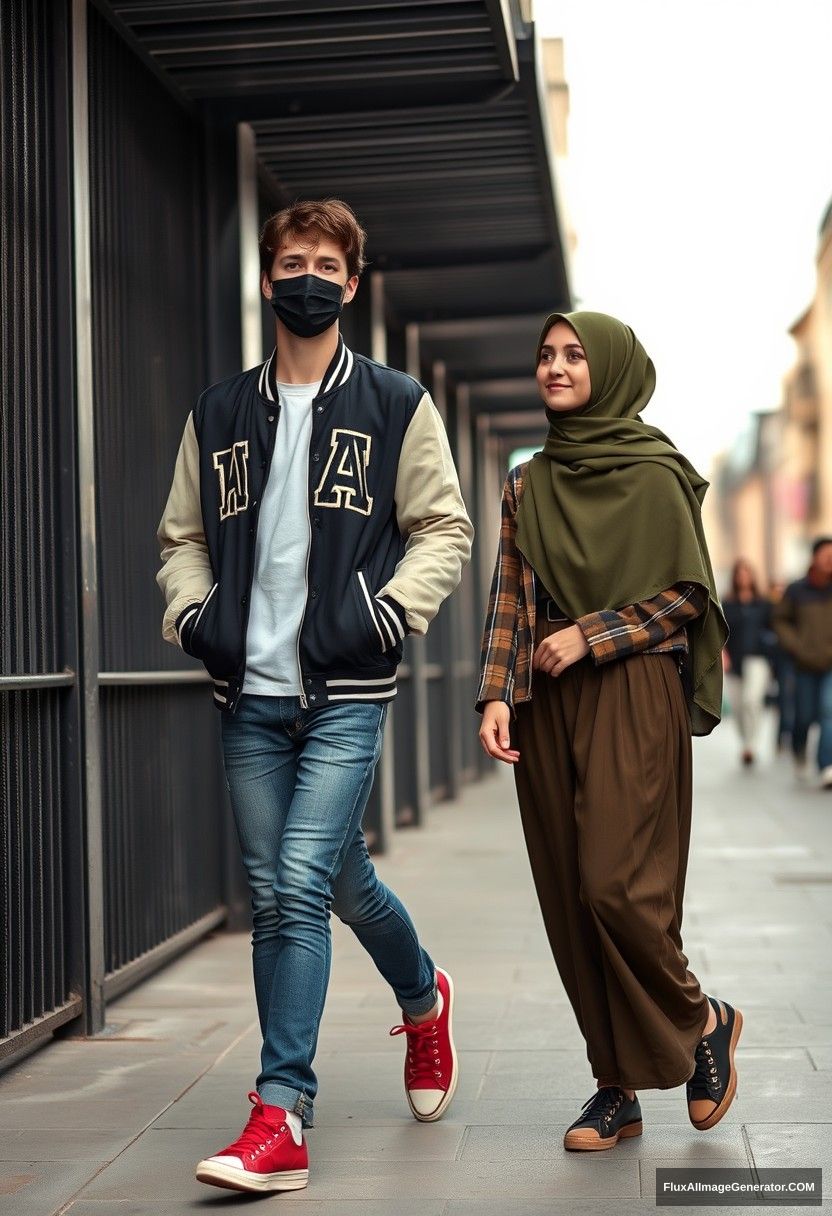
700,164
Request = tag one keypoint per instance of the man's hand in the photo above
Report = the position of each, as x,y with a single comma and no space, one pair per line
560,650
494,734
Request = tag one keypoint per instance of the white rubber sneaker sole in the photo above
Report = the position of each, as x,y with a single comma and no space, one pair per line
446,1101
217,1174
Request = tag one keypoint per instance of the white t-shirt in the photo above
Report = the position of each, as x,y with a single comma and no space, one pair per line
278,591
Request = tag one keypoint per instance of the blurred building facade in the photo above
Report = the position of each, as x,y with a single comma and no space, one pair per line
775,486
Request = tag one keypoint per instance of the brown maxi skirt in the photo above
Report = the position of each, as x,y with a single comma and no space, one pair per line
604,786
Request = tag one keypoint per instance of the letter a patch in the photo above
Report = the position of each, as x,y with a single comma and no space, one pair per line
344,480
232,467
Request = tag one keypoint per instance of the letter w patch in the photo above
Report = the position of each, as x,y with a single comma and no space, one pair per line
344,480
232,467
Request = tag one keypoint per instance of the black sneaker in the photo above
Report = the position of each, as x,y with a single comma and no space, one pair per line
713,1086
608,1116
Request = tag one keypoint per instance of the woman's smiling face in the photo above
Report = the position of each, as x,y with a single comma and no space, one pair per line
563,371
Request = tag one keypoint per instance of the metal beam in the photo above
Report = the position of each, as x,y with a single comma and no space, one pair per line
45,679
533,88
183,675
460,328
508,420
504,386
506,45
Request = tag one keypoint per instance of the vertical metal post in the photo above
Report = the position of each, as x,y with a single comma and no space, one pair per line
387,772
378,318
488,484
464,455
469,619
452,707
488,499
418,654
439,384
251,301
224,353
85,421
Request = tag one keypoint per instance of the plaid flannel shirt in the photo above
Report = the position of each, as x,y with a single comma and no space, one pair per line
654,626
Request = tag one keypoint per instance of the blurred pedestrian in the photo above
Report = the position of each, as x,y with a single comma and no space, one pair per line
314,520
784,674
602,641
803,623
747,654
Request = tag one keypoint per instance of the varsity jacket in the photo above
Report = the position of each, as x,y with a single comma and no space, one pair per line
654,626
389,533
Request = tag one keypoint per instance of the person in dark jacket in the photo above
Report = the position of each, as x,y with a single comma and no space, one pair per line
313,521
747,654
803,623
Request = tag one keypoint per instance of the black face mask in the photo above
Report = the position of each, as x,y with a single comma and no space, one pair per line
307,304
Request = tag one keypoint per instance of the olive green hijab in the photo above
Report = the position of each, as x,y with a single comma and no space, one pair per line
611,510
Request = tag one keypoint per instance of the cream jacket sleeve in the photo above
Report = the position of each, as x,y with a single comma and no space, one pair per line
432,516
185,576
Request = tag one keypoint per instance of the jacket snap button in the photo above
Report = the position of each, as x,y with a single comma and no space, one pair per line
315,456
313,697
308,682
271,417
243,599
320,409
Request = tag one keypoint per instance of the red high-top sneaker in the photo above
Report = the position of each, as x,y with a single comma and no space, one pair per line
264,1158
430,1067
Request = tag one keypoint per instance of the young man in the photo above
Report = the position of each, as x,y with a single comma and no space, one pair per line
314,520
803,623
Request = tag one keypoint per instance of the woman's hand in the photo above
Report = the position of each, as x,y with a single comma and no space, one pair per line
560,650
494,733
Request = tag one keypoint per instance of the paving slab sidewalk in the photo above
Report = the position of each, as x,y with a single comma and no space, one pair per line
113,1126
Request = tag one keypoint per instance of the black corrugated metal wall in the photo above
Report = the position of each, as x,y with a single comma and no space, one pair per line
163,793
163,867
40,885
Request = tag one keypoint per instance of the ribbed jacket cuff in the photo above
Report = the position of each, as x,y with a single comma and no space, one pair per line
184,624
392,619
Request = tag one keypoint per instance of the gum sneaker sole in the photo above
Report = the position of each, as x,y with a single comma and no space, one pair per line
704,1125
585,1140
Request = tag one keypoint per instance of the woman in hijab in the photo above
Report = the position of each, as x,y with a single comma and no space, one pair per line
601,657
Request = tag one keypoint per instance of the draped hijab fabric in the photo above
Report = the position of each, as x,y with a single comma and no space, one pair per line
611,510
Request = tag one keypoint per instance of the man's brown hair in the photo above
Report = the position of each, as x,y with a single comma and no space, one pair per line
308,222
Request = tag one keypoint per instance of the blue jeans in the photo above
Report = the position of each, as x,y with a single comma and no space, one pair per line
813,703
299,780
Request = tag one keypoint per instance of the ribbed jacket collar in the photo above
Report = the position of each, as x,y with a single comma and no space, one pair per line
335,375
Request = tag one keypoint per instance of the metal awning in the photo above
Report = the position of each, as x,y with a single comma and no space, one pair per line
427,117
430,183
270,48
